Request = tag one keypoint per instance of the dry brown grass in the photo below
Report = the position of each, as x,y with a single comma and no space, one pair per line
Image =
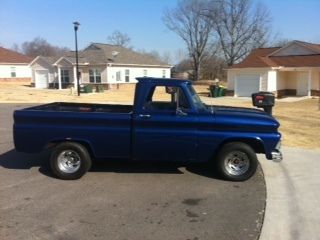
300,121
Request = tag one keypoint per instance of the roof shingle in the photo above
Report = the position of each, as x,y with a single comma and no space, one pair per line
257,58
262,57
9,56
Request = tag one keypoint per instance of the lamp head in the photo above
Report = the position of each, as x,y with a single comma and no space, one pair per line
76,25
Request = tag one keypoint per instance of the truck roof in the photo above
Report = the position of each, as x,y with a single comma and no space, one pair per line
175,81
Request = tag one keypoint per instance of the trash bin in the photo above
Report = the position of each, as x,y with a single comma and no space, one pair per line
263,100
222,91
87,88
216,91
99,88
212,90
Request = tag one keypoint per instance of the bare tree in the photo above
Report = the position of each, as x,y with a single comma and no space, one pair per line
280,42
119,38
180,55
240,26
166,57
40,46
188,21
214,67
15,47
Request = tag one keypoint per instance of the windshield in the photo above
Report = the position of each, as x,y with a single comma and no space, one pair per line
195,98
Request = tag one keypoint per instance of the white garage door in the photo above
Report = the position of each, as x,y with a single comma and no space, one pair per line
247,84
41,79
302,84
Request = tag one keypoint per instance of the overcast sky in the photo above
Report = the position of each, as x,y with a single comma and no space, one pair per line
23,20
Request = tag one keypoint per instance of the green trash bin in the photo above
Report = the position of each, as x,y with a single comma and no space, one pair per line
216,91
87,88
222,91
212,90
99,88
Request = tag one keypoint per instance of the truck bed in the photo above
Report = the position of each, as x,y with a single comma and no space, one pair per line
83,107
105,128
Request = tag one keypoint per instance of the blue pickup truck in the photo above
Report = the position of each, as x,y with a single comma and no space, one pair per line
168,122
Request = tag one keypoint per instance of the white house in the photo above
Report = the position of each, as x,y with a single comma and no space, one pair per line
98,64
290,70
14,66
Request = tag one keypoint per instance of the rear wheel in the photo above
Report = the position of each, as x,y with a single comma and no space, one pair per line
237,161
70,161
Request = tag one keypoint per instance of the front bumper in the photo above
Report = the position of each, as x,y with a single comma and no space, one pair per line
276,155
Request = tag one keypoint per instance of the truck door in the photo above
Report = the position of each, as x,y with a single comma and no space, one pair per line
165,127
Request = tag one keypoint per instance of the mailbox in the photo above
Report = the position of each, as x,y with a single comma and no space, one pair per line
263,100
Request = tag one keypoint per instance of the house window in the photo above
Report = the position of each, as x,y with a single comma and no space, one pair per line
127,75
163,73
13,72
118,76
65,76
95,75
145,72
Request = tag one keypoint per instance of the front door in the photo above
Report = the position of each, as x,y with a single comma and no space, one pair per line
162,133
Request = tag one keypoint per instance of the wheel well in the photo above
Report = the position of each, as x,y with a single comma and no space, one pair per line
83,143
255,144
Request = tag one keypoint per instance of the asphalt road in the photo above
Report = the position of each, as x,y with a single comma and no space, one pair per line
122,200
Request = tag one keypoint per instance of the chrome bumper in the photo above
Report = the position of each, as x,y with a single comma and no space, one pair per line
276,155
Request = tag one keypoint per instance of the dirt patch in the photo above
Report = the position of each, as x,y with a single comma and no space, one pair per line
300,121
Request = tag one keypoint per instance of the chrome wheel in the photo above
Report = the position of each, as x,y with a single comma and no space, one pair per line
237,163
68,161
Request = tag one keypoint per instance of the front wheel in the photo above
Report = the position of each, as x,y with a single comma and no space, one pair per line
237,161
70,161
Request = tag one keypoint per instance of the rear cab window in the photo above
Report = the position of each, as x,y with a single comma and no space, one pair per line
166,99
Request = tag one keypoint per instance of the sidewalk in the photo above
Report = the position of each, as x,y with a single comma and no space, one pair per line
293,196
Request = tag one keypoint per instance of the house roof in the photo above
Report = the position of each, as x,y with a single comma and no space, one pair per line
102,54
257,58
49,60
106,53
9,56
263,57
312,46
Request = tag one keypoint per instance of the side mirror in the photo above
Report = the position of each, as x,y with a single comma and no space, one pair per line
171,90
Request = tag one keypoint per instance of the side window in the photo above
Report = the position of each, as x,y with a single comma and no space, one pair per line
166,98
13,72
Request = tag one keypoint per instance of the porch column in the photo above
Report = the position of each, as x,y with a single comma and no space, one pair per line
309,82
75,77
59,77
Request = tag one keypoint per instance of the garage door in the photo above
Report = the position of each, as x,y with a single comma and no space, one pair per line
302,84
41,79
247,84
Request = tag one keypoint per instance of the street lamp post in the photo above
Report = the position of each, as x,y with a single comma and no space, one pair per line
76,25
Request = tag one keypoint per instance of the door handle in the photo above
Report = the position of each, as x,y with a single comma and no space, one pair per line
144,116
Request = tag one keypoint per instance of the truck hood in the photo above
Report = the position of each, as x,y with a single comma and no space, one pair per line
244,119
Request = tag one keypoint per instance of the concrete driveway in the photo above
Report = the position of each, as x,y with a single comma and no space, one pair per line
122,200
293,196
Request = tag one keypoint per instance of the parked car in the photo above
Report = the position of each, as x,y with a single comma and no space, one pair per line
167,122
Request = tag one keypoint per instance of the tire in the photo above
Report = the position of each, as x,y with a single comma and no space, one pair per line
70,161
237,161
